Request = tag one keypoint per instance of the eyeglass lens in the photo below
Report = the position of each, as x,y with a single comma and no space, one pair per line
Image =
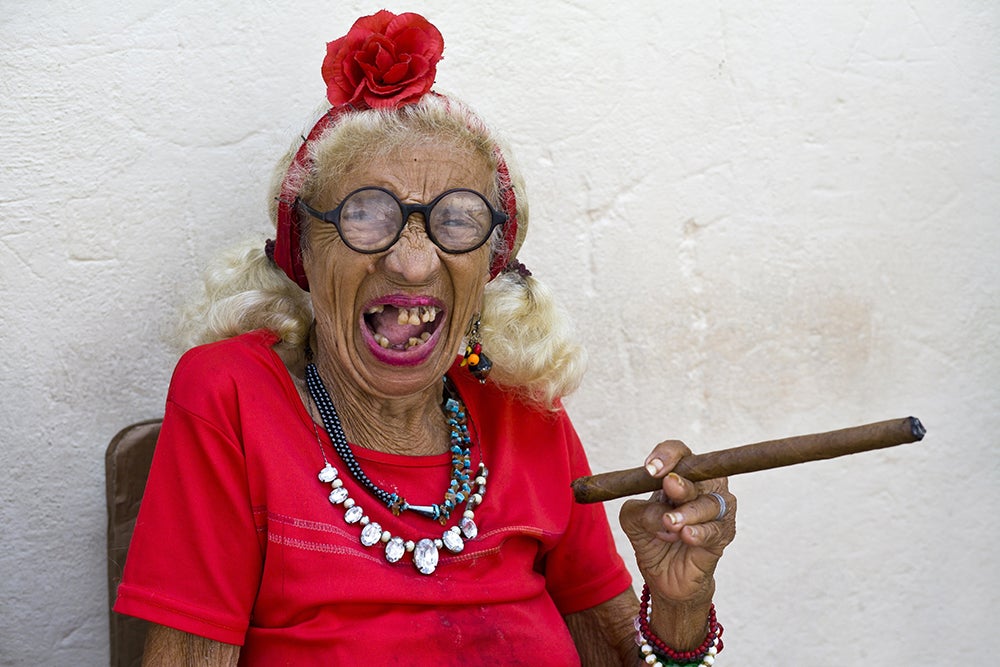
370,219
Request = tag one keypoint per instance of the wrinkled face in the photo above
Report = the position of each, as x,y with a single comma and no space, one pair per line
392,322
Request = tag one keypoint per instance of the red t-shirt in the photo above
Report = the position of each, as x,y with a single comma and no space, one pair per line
236,539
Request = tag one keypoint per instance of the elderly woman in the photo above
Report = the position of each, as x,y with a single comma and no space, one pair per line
336,480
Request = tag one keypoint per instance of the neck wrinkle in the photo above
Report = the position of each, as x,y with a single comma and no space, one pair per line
411,426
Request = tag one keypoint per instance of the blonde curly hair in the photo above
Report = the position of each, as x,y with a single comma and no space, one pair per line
526,334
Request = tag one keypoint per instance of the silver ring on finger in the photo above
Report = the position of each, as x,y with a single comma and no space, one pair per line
722,504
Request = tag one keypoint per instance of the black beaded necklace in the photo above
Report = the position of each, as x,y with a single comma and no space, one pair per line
460,487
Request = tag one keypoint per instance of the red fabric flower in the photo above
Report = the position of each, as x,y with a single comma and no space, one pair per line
384,60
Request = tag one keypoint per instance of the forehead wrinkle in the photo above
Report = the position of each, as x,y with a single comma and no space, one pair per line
437,180
417,177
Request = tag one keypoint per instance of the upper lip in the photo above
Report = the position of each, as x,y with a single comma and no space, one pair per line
404,301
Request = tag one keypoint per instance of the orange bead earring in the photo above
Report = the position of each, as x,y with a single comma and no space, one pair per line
474,359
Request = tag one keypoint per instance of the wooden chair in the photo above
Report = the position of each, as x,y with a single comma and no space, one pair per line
126,466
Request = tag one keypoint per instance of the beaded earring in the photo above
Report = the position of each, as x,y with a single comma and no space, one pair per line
474,359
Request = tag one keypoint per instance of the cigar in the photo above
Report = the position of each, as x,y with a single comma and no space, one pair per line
751,458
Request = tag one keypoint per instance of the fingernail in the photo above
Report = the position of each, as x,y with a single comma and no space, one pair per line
675,517
675,477
654,466
694,532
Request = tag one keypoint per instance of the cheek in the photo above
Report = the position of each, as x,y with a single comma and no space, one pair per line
323,244
334,280
482,261
471,278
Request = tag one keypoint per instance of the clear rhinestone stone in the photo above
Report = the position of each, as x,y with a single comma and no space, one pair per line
338,496
425,556
452,541
371,534
395,549
469,528
328,474
354,514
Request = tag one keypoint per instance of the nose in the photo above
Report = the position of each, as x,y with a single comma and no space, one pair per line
413,258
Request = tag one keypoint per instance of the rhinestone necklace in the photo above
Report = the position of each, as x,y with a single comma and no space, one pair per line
425,550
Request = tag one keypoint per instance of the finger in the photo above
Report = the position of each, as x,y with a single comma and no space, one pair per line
708,507
704,535
679,490
713,535
665,456
642,519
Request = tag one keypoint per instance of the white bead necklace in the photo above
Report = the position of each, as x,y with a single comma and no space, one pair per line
426,550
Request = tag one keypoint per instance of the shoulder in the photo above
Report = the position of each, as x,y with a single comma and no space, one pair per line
504,415
226,365
495,398
253,345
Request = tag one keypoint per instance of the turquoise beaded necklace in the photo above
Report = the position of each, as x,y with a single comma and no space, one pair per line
462,487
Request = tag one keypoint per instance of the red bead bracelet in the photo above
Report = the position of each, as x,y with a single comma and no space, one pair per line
713,637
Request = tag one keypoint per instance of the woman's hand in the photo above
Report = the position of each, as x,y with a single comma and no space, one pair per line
678,536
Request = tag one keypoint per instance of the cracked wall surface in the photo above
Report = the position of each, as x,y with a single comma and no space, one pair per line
766,219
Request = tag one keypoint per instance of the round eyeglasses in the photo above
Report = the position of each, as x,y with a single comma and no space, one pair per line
371,219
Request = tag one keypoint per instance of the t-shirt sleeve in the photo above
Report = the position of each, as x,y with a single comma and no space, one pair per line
584,569
195,559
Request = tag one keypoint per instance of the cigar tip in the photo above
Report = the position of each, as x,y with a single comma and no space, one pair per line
581,489
917,428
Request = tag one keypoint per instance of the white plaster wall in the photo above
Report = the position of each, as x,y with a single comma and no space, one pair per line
768,218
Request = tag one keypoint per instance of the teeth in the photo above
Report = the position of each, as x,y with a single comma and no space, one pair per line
414,316
412,342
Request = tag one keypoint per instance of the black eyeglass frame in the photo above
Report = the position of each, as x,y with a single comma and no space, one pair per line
498,218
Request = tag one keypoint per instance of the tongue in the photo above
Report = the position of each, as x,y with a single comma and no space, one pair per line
387,324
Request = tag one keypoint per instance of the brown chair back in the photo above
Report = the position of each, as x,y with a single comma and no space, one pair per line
126,466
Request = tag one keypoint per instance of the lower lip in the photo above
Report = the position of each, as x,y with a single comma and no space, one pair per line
409,357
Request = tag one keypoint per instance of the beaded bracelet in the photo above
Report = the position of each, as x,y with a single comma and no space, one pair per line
654,652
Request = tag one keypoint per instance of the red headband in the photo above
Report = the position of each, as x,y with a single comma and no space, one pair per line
384,61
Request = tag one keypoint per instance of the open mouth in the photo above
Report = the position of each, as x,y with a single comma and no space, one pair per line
402,325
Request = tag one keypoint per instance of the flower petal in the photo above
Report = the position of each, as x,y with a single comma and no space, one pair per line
384,60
